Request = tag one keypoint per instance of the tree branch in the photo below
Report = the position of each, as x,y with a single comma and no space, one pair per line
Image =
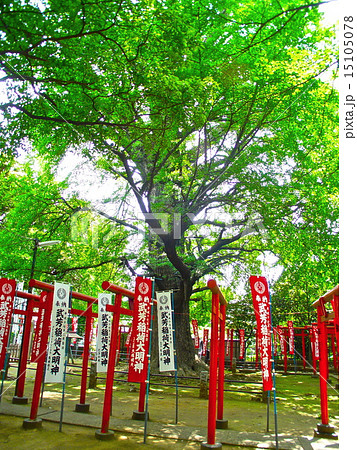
224,242
70,269
4,107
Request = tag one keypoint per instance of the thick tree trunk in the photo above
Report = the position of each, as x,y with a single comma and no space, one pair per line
186,360
184,343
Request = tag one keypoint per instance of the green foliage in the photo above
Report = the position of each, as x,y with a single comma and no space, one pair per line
33,207
213,113
200,308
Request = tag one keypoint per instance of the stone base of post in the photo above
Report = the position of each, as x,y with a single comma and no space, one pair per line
221,424
82,407
139,415
205,445
104,436
20,400
29,424
325,431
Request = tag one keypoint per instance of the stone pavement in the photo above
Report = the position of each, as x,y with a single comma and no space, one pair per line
170,431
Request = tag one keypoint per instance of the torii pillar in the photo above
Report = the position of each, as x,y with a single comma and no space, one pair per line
215,416
324,429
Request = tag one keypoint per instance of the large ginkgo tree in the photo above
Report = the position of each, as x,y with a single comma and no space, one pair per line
211,115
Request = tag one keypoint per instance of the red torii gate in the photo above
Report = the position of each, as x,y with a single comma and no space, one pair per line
324,429
32,302
304,332
217,354
82,406
33,421
104,433
46,303
301,332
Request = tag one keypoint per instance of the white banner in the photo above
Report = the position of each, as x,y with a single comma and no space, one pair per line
56,353
165,332
104,329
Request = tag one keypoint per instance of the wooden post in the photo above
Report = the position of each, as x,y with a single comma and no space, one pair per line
104,433
220,422
216,351
324,429
82,406
323,367
111,366
303,348
284,330
33,421
19,398
256,350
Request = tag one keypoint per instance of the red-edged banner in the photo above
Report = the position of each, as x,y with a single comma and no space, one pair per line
241,344
205,342
195,333
128,338
281,335
315,341
7,294
227,341
92,332
260,294
37,341
231,343
74,327
291,337
275,332
140,331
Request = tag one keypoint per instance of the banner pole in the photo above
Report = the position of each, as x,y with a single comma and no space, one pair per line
274,378
268,406
65,362
175,354
8,353
149,363
3,373
43,382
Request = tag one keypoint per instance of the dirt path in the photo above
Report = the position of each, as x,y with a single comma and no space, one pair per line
298,409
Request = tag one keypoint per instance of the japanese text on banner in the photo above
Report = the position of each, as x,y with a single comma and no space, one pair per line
291,337
138,361
205,342
128,338
275,332
231,343
195,333
37,346
227,341
315,341
165,331
260,294
281,335
103,332
56,354
7,294
241,344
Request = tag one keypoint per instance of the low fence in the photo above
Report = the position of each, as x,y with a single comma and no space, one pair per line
14,350
252,387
